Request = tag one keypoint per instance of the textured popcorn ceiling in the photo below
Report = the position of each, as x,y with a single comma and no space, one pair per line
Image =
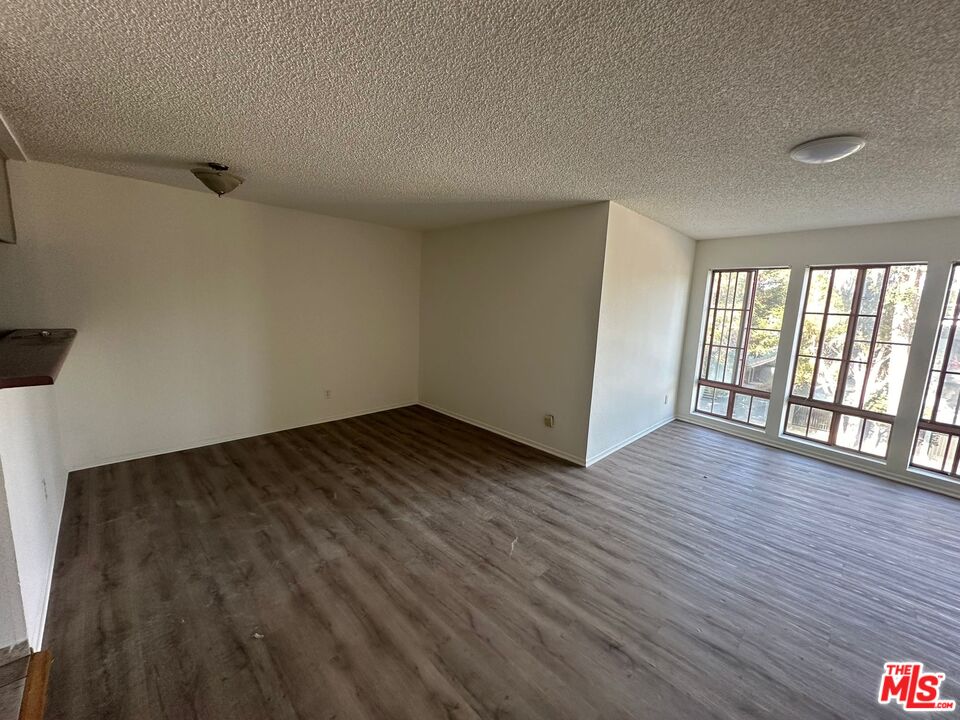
431,113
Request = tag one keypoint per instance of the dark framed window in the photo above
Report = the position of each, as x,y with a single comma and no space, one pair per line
856,329
741,334
938,432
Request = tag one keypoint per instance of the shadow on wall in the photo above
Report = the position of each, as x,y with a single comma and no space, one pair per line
441,208
441,213
201,319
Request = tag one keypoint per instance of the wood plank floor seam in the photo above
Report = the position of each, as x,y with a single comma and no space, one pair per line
407,565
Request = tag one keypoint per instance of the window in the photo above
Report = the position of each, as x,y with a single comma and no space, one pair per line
938,433
740,339
857,326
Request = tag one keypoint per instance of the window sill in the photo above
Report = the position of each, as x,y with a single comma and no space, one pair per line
727,422
928,475
833,449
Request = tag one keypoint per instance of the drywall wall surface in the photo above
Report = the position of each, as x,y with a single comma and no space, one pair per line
643,307
34,483
13,628
935,242
509,324
202,319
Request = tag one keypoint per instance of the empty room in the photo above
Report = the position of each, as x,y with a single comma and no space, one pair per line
480,360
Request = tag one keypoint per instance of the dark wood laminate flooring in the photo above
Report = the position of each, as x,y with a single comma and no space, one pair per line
13,676
406,565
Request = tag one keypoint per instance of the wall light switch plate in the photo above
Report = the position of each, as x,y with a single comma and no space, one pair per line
548,420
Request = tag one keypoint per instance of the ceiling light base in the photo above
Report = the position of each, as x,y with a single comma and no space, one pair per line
827,149
217,179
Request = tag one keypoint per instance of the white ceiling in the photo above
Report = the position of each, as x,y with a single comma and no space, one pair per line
431,113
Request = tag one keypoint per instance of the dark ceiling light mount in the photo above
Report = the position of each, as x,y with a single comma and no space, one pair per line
827,149
217,179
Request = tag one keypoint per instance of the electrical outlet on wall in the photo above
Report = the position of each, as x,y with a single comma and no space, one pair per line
327,394
666,399
548,420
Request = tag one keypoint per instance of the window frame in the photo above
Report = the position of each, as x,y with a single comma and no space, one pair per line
836,407
951,430
707,345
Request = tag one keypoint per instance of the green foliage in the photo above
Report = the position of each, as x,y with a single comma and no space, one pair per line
897,321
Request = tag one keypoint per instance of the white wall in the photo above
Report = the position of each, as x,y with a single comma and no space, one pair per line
34,485
13,628
936,242
509,324
201,319
646,281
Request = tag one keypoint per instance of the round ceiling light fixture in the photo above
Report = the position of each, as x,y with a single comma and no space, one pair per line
217,179
827,149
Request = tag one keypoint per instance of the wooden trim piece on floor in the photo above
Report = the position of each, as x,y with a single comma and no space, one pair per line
35,690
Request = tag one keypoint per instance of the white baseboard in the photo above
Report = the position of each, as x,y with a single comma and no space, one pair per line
506,433
35,635
632,439
240,436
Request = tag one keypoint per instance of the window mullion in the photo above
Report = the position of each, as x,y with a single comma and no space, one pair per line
731,340
727,321
873,337
851,334
845,354
738,352
746,317
803,313
947,350
740,404
710,325
824,422
823,333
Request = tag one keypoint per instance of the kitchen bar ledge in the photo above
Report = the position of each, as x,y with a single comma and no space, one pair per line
33,357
